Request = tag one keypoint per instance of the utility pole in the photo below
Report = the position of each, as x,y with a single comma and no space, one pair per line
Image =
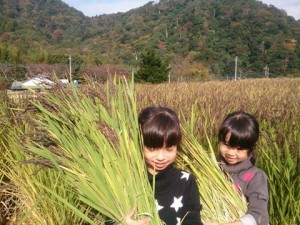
169,76
235,70
266,71
70,64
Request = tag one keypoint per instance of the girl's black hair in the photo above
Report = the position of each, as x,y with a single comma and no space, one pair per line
159,126
244,132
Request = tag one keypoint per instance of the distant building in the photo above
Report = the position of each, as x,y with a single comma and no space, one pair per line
38,82
16,85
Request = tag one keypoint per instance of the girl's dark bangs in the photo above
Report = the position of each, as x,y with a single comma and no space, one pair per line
153,139
173,137
240,139
161,131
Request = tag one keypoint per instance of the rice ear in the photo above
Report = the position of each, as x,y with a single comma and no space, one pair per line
100,150
221,202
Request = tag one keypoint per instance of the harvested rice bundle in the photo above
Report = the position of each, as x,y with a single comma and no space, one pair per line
221,202
96,145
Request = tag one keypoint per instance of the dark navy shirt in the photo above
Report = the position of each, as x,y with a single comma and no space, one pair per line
177,197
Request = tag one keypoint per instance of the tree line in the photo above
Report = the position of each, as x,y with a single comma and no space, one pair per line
195,39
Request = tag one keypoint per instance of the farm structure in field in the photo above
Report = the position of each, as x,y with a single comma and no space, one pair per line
37,82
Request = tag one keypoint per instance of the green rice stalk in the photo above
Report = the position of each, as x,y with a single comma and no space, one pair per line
30,204
282,164
220,200
99,150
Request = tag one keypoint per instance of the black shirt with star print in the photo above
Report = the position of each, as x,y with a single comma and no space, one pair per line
176,197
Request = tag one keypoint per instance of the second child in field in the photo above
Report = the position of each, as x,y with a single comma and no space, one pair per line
238,136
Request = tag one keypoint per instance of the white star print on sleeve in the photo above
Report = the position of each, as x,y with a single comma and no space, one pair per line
177,203
158,207
185,175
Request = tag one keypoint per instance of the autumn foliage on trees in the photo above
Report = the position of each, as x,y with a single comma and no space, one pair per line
213,33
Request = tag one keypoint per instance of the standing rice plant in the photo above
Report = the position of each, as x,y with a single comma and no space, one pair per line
5,199
276,105
281,161
221,202
34,205
28,203
96,146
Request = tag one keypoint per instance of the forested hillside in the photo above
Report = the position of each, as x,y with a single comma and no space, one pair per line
197,37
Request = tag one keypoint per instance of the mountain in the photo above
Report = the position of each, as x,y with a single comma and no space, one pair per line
205,35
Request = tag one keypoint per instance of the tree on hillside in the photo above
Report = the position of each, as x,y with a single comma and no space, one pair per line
152,69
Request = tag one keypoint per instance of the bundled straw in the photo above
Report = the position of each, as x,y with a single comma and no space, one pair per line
97,147
221,202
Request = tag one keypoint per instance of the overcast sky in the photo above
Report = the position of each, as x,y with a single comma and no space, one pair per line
98,7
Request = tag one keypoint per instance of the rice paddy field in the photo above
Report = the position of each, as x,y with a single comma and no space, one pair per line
55,170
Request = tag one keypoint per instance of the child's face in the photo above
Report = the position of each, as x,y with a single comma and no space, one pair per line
232,155
157,159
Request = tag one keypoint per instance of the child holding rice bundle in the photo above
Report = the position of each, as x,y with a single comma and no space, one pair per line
238,136
176,191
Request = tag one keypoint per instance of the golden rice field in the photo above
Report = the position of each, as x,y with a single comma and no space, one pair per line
276,104
32,191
